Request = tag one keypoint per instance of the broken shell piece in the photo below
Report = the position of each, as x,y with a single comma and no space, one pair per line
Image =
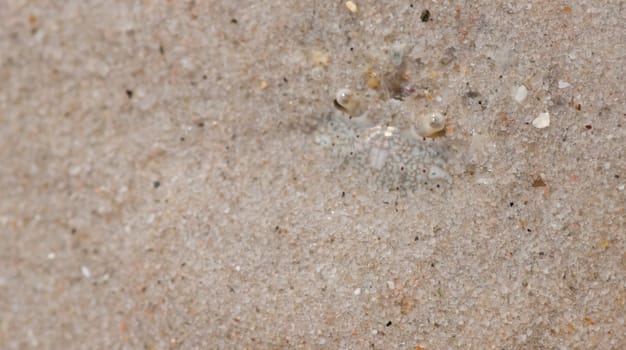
429,125
520,93
347,101
542,121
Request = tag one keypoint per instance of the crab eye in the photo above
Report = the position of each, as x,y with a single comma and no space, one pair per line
429,125
437,121
347,101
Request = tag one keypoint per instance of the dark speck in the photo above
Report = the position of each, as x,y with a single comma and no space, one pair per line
129,93
425,16
511,204
472,94
233,21
343,194
388,324
182,139
161,50
201,125
588,127
156,184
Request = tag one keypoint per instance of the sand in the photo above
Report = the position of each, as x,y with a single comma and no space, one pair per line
165,180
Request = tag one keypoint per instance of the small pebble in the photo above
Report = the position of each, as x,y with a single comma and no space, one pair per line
85,271
563,84
357,291
352,7
520,93
542,121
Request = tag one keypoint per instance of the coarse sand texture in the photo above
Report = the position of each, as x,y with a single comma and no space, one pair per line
316,174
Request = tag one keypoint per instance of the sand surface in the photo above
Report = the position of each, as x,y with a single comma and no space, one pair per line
175,175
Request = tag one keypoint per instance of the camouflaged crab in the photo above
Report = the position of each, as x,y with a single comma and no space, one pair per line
387,138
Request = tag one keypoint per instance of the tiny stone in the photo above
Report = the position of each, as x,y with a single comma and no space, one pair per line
85,271
542,121
357,291
538,182
520,93
352,7
563,84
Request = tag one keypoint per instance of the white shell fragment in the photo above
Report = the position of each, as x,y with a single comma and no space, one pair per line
520,93
428,125
85,271
564,84
542,121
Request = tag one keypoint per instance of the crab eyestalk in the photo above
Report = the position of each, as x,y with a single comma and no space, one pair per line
430,125
348,101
